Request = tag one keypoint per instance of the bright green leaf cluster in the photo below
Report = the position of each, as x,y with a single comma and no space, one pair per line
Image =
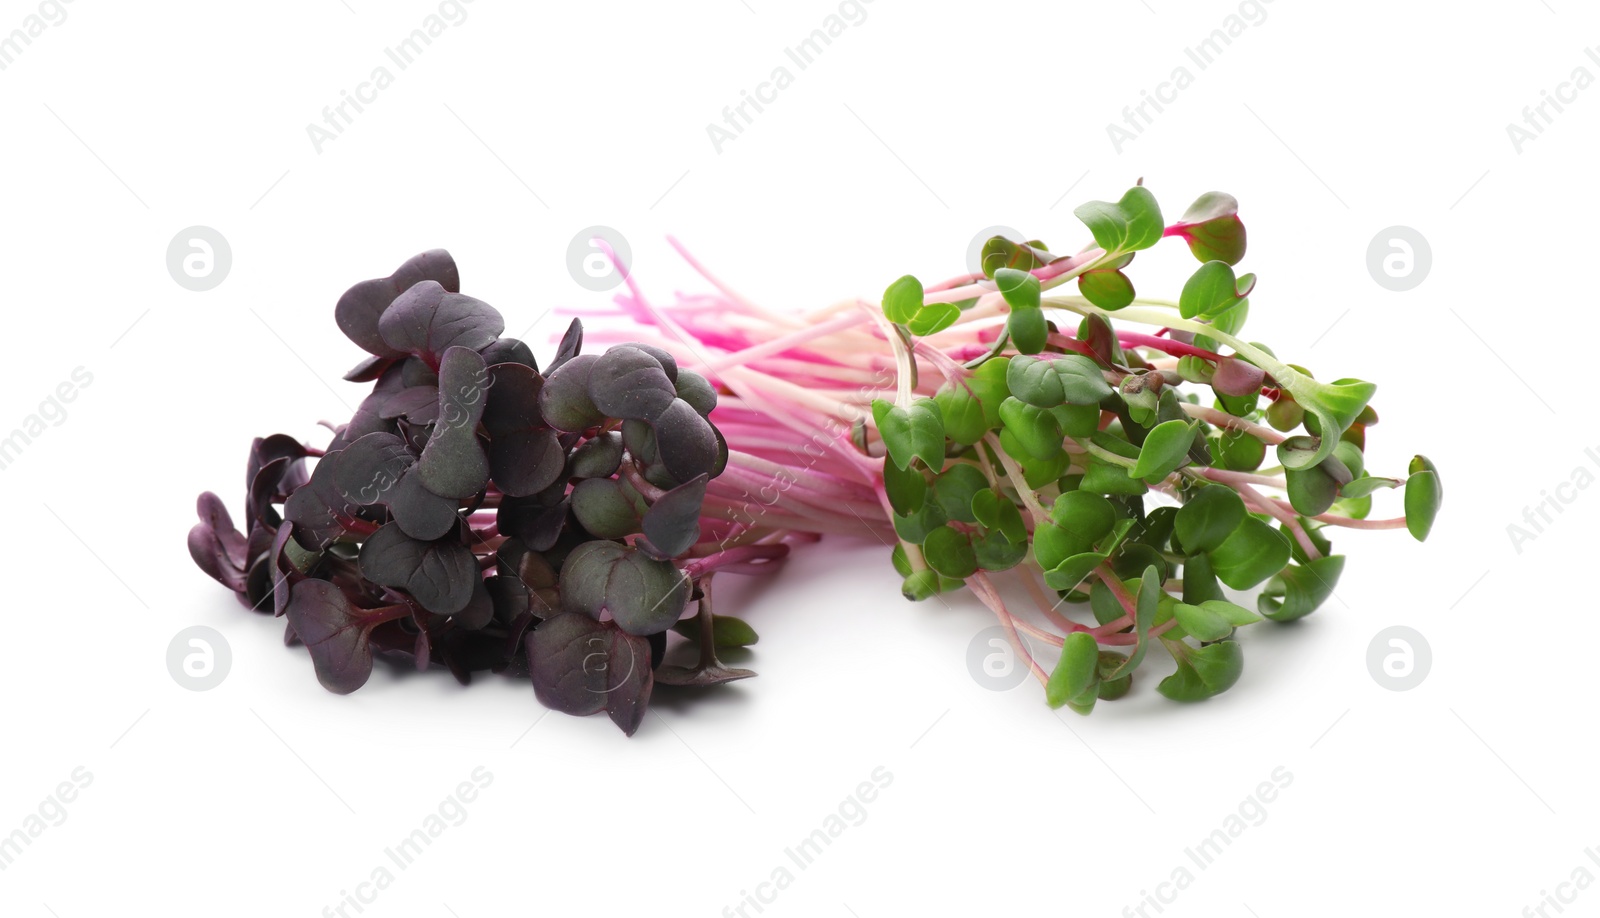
1114,476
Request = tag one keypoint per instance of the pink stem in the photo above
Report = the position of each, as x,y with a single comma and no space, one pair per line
1287,517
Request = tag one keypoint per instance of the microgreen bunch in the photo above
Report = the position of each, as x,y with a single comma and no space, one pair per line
999,423
481,513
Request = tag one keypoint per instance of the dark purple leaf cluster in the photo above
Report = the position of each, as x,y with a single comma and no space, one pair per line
481,513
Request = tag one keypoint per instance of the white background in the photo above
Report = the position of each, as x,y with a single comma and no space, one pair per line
917,127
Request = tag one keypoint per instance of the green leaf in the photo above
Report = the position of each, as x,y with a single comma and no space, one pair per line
1150,594
1165,448
1141,398
1082,382
1019,288
1208,518
902,300
1034,428
1424,494
1299,447
920,585
1311,491
1000,252
1054,543
1041,472
1087,516
1112,442
963,414
1077,420
1203,672
1357,508
897,557
906,488
1029,330
995,552
1212,228
1074,680
950,553
1200,622
1298,590
1254,552
1157,528
914,527
1104,603
726,631
1070,572
1229,321
1111,689
988,385
955,487
1135,556
1365,485
1349,455
1035,381
1199,580
1335,405
1106,289
914,432
1144,616
1234,615
1129,225
1104,477
1212,289
935,317
1147,603
1237,451
996,512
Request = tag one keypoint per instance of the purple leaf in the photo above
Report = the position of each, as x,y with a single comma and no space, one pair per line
453,464
581,666
338,638
1235,377
571,344
626,382
525,456
685,442
672,524
644,595
427,320
360,308
441,575
216,546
